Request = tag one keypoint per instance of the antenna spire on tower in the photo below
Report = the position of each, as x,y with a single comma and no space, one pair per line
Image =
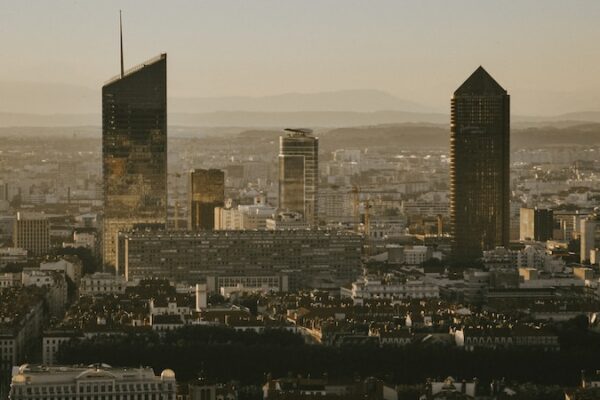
121,37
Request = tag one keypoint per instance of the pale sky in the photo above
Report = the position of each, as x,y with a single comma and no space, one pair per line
545,53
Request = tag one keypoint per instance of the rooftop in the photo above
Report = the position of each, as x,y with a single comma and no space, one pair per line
132,70
480,83
41,374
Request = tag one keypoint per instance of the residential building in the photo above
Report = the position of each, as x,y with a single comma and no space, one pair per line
287,220
102,283
243,217
22,314
52,340
71,266
55,285
371,287
192,256
248,281
13,255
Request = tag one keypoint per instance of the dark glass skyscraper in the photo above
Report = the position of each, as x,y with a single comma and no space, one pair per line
479,169
299,173
134,150
206,190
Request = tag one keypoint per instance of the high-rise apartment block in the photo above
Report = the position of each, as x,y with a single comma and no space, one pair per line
299,173
479,166
187,256
32,233
206,191
134,150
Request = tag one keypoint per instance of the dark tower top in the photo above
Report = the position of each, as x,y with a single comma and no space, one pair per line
480,83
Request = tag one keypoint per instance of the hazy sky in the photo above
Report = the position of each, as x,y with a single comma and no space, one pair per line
546,53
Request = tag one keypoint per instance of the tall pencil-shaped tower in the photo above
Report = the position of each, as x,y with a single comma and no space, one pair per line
480,166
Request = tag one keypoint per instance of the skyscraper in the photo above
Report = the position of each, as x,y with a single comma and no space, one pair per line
479,166
134,150
299,173
206,191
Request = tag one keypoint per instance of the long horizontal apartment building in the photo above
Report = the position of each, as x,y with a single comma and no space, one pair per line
186,256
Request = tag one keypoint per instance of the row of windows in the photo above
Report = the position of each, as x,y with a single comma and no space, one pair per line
88,388
150,396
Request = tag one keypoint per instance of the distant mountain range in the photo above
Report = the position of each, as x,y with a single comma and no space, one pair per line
47,104
55,98
343,100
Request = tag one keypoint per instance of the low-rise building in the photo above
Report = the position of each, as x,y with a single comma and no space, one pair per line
70,265
52,340
55,285
472,338
370,287
249,281
102,283
13,255
10,279
322,388
99,381
22,314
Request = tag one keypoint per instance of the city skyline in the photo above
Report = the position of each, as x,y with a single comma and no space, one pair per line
395,55
374,229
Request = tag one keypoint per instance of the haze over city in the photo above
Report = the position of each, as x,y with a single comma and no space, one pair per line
547,54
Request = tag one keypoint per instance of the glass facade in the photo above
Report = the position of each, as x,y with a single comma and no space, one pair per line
480,166
134,150
206,190
299,175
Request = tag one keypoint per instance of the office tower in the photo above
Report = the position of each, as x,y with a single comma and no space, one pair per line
206,191
32,233
299,173
134,150
536,224
479,166
98,381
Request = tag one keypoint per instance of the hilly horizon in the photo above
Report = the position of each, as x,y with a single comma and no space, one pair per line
56,104
59,98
